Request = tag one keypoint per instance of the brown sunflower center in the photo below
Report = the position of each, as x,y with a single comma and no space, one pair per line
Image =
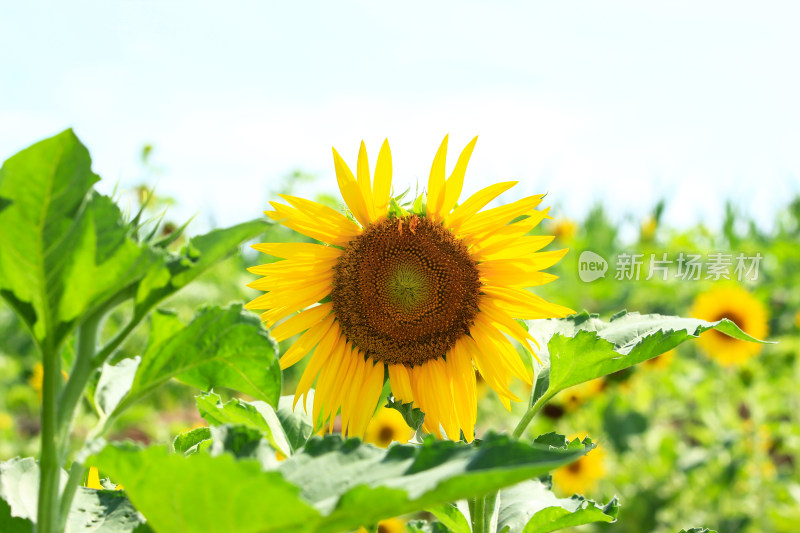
405,290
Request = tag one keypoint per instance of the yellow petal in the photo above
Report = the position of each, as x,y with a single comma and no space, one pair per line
401,383
350,190
364,182
93,481
333,371
496,374
513,276
293,265
321,354
305,343
370,393
476,202
382,186
353,393
523,304
487,335
510,247
436,188
464,399
298,250
455,182
319,212
292,295
493,219
301,322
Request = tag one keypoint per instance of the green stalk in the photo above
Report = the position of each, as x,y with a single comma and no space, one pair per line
528,416
476,511
49,464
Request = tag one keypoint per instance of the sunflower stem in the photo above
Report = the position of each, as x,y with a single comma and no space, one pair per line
76,472
50,468
528,416
476,511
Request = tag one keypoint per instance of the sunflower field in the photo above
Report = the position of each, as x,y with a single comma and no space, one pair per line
389,361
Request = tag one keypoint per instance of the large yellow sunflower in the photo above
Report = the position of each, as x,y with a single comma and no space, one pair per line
422,294
744,310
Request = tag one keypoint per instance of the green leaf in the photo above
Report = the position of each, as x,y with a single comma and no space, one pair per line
114,383
64,249
451,517
102,511
201,493
697,530
530,507
221,347
256,415
297,424
582,347
243,443
92,510
19,484
413,416
331,485
187,441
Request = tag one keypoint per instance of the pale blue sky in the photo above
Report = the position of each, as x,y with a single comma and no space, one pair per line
624,102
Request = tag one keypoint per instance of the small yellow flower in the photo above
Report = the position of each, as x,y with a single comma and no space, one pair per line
660,362
648,230
574,397
6,422
387,426
392,525
93,481
581,476
565,229
739,306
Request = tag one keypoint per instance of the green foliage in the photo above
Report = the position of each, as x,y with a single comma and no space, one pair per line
221,347
413,416
531,507
582,347
64,249
330,485
93,510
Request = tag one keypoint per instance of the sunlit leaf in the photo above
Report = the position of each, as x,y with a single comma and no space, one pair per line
330,485
582,347
221,347
257,415
530,507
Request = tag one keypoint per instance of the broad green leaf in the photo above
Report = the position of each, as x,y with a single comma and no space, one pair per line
102,511
205,494
64,249
257,415
331,485
582,347
243,443
187,441
697,530
221,347
92,510
531,507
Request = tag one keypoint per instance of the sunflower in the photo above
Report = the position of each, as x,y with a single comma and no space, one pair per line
386,427
581,476
391,525
739,306
425,293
